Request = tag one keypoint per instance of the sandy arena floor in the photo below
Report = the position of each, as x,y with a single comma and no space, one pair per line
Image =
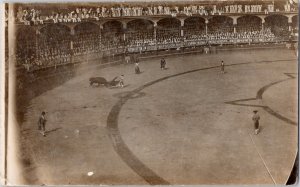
189,124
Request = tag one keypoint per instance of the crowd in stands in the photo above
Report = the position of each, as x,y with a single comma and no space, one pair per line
112,41
217,25
47,53
55,45
139,38
34,16
84,43
278,26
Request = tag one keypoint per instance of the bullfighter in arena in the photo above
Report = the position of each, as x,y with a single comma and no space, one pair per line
162,64
121,83
42,123
117,81
222,67
137,68
256,119
120,80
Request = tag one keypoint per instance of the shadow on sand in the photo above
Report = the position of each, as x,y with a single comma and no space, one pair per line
117,87
52,130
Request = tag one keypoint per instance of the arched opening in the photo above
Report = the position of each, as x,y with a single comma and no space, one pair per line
168,30
278,24
55,30
54,45
194,28
87,38
139,32
86,28
220,24
25,45
248,23
249,29
112,34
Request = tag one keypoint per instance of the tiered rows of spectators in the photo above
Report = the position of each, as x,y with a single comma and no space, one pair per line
168,32
36,16
194,29
86,43
55,44
112,35
139,33
249,23
278,26
54,52
25,47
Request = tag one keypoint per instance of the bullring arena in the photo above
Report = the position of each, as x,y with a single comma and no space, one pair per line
189,123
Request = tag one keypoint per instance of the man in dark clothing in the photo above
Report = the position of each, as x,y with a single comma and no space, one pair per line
42,123
222,67
256,119
162,63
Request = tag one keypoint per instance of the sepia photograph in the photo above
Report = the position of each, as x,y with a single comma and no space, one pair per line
133,92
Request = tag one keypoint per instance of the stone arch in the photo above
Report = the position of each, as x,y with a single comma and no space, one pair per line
86,27
145,20
55,30
166,23
112,32
54,41
112,26
62,25
276,14
89,32
194,26
278,24
139,29
194,21
249,23
220,24
140,24
168,29
220,17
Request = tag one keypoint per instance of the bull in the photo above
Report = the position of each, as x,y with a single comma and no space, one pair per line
102,81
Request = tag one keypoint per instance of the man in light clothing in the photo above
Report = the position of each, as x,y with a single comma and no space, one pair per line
121,79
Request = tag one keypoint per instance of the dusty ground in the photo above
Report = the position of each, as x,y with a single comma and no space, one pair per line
192,128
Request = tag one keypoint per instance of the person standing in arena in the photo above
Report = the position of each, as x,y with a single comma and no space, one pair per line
137,68
256,119
162,64
121,81
222,67
42,123
127,58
